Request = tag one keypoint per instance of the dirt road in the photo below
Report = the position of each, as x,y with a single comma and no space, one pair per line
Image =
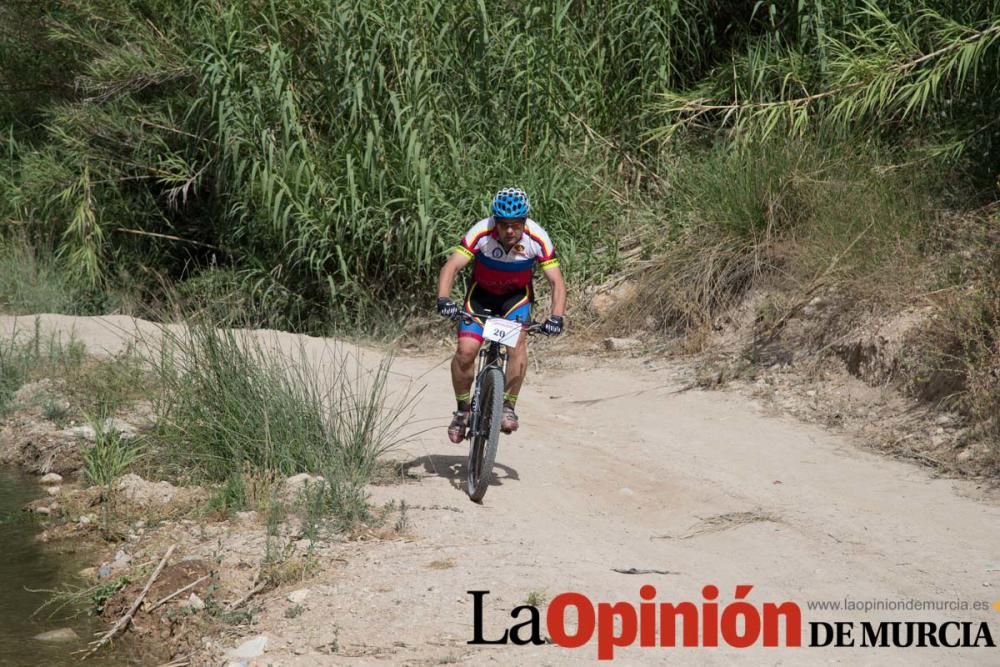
612,470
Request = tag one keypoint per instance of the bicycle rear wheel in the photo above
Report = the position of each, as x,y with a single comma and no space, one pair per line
483,451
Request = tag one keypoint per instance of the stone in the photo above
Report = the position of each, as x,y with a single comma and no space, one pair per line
194,602
60,635
31,391
120,426
252,648
299,596
51,478
295,484
140,491
53,490
604,303
302,478
85,432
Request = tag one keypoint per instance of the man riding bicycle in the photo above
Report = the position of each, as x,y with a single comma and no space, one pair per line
504,248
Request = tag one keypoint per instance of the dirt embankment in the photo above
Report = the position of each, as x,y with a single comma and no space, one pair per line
831,359
622,465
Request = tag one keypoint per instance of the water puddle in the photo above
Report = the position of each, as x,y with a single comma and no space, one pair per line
26,564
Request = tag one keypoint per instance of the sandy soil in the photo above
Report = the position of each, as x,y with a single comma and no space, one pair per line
614,468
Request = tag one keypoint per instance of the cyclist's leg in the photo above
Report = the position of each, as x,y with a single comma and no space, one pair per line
470,338
517,363
517,367
463,367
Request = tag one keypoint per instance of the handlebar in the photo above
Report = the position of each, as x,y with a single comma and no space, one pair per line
531,327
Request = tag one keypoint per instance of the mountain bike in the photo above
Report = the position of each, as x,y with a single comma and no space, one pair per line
483,425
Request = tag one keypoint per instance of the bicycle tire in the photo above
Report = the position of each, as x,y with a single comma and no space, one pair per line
483,451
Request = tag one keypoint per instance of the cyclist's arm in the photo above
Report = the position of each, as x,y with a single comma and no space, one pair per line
446,279
554,276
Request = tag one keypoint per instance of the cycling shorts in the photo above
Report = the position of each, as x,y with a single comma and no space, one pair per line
481,304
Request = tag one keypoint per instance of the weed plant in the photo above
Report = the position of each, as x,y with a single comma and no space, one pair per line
233,410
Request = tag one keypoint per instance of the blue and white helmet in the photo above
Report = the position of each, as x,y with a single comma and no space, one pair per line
510,203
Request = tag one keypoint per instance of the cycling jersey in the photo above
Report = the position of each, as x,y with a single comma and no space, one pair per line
499,271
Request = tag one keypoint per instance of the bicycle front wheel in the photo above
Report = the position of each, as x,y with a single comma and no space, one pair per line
483,451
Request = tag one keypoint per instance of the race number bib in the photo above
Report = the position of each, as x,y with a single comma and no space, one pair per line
502,331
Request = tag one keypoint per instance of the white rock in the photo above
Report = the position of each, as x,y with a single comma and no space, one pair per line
85,432
138,490
194,602
123,427
603,303
53,490
119,563
252,648
294,485
60,635
299,596
43,510
51,478
30,390
301,478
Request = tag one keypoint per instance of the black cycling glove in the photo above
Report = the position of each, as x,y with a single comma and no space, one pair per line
446,308
553,326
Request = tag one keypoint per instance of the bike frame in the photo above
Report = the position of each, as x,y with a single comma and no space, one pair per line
489,356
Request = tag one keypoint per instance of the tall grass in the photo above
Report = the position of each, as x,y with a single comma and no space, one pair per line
234,410
27,355
328,153
799,214
320,156
110,456
917,70
33,281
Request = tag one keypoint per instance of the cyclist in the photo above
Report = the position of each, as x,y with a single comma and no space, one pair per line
504,249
